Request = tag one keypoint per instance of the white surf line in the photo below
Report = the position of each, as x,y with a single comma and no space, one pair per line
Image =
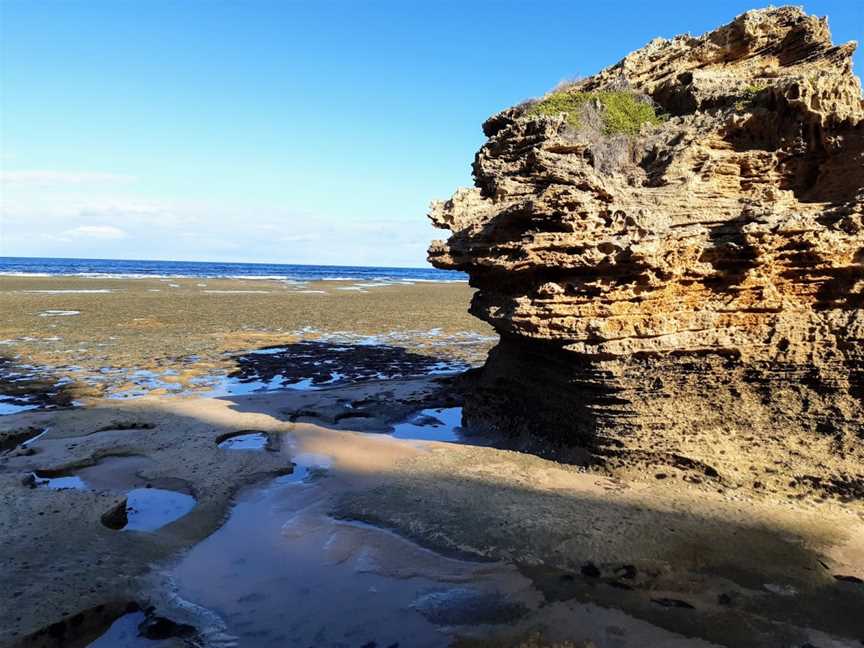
59,313
70,291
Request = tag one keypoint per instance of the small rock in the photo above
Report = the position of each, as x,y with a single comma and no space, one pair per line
117,517
157,627
781,590
626,571
590,570
673,603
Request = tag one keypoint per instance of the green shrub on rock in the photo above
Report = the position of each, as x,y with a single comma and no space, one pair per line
749,97
623,112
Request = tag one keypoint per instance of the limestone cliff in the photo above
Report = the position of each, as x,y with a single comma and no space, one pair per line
685,291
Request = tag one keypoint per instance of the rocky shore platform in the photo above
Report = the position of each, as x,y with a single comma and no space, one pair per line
65,340
313,518
322,487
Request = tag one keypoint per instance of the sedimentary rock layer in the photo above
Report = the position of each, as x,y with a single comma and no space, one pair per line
697,302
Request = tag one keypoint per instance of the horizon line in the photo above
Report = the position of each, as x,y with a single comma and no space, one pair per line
280,263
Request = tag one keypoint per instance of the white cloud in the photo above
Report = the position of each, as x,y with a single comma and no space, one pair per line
47,177
301,238
105,232
82,220
136,213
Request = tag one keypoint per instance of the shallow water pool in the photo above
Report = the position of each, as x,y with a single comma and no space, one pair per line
441,424
123,633
9,406
149,509
281,572
66,482
249,441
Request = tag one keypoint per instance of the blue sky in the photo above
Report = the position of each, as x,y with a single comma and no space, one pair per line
312,132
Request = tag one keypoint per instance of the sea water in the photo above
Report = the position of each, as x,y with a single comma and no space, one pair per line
121,268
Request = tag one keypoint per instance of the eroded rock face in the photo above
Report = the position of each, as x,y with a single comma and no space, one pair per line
701,307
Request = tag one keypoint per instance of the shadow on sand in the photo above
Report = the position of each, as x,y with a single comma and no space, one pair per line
693,573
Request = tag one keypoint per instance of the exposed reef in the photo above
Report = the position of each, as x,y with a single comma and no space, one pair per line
684,291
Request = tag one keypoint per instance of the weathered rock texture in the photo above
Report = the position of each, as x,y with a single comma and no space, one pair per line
700,308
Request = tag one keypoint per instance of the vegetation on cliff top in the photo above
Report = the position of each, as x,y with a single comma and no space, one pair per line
749,96
623,112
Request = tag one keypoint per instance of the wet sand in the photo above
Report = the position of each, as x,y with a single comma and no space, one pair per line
352,511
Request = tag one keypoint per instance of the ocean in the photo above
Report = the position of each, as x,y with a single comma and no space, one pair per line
36,266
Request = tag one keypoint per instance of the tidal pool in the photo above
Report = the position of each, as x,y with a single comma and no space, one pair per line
149,509
441,424
123,633
281,572
66,482
245,441
117,473
12,405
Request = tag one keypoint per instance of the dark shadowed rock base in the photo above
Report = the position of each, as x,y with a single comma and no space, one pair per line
700,417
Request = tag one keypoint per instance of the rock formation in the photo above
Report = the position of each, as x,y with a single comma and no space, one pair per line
696,305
